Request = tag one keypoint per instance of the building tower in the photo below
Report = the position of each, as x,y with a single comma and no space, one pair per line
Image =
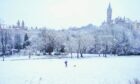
23,24
109,14
18,24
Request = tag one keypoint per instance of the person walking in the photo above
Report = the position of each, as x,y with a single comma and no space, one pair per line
66,63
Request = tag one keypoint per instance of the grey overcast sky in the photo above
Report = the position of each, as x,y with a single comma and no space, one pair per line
65,13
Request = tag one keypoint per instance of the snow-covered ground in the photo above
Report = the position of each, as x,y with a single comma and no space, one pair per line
96,70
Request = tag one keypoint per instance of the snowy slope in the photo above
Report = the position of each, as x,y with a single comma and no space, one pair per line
96,70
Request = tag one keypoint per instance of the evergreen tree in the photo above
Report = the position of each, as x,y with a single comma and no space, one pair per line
26,41
18,45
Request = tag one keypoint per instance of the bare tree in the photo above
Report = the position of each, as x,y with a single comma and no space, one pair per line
4,37
18,43
84,42
48,41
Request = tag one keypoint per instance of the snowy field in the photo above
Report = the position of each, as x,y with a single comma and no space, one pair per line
96,70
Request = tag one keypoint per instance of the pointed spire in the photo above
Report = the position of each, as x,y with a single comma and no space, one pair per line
109,14
18,23
109,6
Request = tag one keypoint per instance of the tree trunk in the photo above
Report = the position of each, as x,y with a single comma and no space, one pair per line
3,58
50,53
3,52
29,56
105,55
77,54
99,54
71,54
81,55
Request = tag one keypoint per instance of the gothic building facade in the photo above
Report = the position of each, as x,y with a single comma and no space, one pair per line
122,21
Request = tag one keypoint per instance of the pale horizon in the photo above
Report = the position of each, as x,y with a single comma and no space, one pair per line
62,14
